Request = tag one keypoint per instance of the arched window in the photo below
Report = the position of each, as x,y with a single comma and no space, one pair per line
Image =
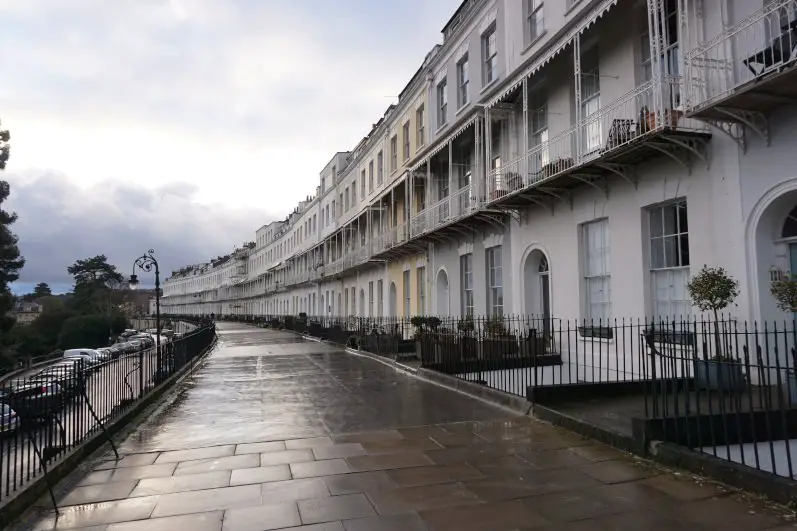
543,267
790,225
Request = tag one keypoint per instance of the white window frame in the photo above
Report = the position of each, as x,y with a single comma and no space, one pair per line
405,132
591,104
535,20
379,298
596,248
420,279
442,103
405,291
394,153
466,283
420,139
490,55
371,299
494,281
371,176
463,82
380,168
669,265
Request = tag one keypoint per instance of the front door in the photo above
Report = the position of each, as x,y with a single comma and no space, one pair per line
545,296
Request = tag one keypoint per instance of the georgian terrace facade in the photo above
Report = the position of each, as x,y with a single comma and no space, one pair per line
576,159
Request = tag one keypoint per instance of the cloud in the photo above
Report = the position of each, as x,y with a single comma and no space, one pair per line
261,93
184,125
60,222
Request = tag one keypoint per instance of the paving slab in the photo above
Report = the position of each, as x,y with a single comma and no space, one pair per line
275,432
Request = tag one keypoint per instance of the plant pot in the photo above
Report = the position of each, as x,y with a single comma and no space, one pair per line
719,376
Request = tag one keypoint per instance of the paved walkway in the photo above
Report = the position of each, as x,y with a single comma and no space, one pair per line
275,432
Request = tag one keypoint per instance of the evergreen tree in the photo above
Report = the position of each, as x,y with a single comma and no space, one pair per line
10,260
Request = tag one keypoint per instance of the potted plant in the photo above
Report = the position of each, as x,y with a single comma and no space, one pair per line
713,290
784,290
419,322
498,342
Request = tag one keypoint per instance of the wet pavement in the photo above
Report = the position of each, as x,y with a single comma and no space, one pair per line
275,432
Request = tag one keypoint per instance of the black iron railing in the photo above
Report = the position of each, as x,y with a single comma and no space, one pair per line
726,388
49,412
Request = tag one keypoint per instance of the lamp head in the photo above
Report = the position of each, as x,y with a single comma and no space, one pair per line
133,282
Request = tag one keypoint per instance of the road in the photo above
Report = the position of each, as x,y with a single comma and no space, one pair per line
113,383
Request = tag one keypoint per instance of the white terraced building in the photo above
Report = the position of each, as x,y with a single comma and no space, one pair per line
576,159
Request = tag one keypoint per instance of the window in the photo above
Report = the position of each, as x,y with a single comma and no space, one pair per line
379,298
463,81
495,285
347,204
362,184
353,301
597,279
671,59
535,22
466,283
419,124
370,177
323,184
591,100
406,293
371,299
380,168
669,260
442,103
420,274
490,56
394,153
340,202
405,133
539,137
333,209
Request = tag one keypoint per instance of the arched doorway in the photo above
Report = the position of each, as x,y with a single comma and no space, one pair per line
537,288
775,251
362,303
443,301
392,300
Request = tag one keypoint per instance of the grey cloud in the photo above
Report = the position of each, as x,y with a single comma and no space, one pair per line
59,223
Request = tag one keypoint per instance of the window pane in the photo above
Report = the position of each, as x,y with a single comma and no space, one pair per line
684,247
657,253
670,219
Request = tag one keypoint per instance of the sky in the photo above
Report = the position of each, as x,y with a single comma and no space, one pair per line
184,125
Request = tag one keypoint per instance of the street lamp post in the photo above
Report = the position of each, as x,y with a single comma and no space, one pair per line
112,285
147,262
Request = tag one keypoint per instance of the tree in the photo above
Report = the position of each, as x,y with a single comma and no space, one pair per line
10,260
713,290
785,293
94,271
42,289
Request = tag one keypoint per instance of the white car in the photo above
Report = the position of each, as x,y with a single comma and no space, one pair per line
89,355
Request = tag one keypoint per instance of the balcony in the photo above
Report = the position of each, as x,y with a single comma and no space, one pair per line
646,122
747,70
455,207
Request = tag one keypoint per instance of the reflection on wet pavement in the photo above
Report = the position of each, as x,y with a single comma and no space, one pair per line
275,432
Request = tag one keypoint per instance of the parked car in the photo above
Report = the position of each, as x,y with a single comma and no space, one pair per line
9,420
69,374
35,401
90,356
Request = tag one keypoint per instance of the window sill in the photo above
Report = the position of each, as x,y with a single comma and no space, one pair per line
603,334
489,85
442,126
530,45
462,108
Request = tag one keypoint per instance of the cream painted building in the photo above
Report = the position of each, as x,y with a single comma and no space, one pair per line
570,159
